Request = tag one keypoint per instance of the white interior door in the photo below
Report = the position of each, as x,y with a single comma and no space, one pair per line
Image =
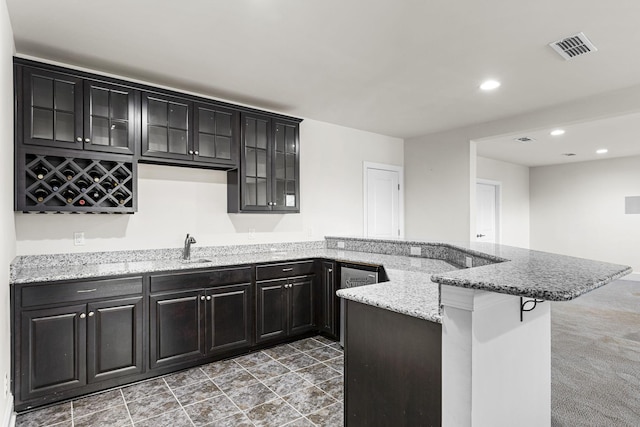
487,212
382,202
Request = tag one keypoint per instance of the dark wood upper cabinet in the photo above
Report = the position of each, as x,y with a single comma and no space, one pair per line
268,178
65,111
184,132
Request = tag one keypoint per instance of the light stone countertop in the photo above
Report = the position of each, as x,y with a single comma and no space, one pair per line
411,289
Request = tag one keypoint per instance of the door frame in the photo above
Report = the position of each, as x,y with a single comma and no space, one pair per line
498,186
365,187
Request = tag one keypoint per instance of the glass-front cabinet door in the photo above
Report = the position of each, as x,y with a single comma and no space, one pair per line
109,118
214,137
52,109
167,127
286,166
256,163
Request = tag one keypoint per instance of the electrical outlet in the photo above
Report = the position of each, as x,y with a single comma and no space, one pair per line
78,238
416,250
340,245
468,261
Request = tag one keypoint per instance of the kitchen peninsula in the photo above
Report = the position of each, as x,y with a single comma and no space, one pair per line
481,307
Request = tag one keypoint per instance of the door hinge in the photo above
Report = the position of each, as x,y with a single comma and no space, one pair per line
398,232
398,187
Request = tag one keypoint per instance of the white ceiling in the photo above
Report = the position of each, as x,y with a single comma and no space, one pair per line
620,135
399,68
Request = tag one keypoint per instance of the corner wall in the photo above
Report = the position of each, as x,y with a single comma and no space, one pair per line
173,201
578,209
7,230
514,198
439,169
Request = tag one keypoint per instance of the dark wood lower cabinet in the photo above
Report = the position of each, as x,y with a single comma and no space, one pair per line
53,357
175,327
285,307
329,301
228,318
393,369
114,338
82,336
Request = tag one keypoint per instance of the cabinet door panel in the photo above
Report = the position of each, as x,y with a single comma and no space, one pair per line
302,309
167,125
52,109
228,318
271,310
175,328
328,311
285,184
114,343
215,133
255,181
53,354
109,118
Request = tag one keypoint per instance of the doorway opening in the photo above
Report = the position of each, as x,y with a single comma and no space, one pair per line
488,207
383,200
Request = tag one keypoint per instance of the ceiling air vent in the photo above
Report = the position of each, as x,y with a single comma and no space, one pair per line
572,46
524,140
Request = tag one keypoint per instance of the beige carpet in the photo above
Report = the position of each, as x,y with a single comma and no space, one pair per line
595,358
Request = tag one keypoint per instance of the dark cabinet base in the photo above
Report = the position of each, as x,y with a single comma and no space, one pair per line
393,369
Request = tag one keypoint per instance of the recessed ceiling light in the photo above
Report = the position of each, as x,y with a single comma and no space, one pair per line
490,85
569,154
557,132
602,151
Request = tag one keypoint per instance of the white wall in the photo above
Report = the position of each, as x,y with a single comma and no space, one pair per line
439,169
7,231
174,201
578,209
515,198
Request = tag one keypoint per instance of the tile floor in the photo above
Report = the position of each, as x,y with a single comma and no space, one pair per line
297,384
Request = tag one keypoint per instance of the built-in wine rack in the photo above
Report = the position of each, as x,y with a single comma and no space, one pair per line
54,183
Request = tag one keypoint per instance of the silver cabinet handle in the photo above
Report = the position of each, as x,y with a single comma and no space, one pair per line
87,140
201,297
196,152
208,297
190,151
79,139
284,270
330,270
84,291
91,313
82,315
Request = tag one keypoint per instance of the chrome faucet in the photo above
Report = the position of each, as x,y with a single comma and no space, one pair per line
186,251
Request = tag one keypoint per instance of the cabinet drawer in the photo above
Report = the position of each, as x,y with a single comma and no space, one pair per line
177,281
80,291
285,269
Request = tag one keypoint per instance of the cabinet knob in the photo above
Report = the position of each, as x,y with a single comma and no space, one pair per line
91,313
196,152
87,140
330,270
190,151
201,297
208,297
79,139
82,315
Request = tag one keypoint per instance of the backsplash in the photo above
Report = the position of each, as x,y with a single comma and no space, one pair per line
88,258
441,251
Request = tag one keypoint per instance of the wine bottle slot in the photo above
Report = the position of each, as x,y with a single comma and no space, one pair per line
69,174
40,194
55,184
40,171
95,175
69,195
82,185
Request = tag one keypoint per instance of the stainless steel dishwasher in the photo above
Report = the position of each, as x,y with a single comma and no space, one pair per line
352,275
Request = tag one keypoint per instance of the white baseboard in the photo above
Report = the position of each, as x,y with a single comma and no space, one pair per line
8,416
